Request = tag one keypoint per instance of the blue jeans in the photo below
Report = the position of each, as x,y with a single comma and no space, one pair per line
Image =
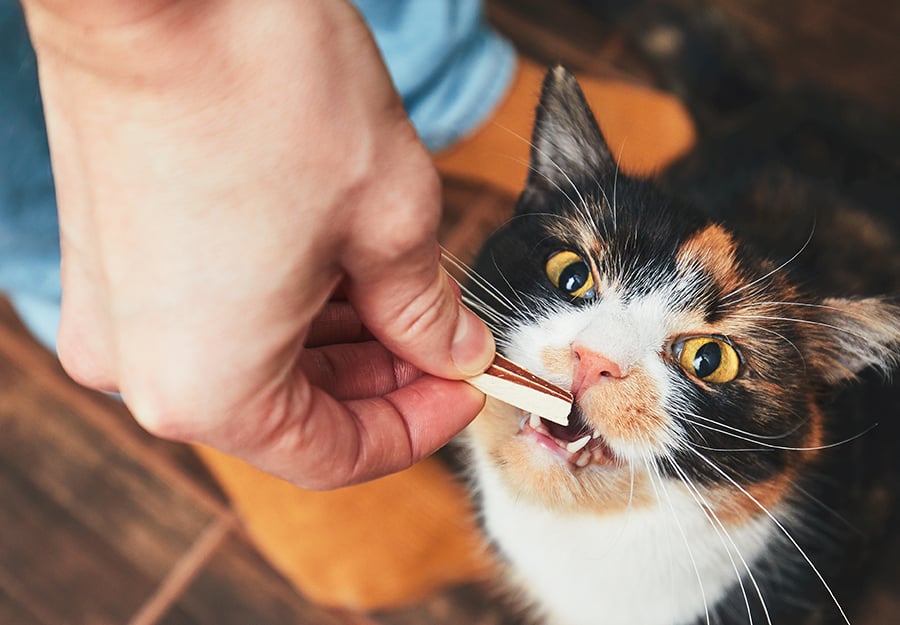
448,65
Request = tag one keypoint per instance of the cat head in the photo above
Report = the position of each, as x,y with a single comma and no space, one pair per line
691,356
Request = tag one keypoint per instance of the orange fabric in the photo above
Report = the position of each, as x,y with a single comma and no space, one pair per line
395,540
377,545
645,130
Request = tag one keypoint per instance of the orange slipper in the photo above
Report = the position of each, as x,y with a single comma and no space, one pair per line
377,545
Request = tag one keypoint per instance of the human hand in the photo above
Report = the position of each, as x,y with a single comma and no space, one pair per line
222,170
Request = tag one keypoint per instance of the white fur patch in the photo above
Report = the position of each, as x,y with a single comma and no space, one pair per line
656,565
628,333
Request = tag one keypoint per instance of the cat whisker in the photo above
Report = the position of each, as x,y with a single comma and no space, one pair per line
502,275
770,445
721,531
809,322
829,509
753,435
605,203
583,209
615,184
477,278
476,304
783,338
780,526
680,527
776,270
648,462
497,320
763,303
630,486
587,213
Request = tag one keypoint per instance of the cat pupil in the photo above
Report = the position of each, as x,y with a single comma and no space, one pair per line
573,277
707,359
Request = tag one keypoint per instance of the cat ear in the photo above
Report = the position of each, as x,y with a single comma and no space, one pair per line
566,144
860,333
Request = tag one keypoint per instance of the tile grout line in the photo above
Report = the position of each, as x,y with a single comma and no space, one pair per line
38,366
184,571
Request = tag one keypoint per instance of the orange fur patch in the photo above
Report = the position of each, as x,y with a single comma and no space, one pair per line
736,509
715,250
627,410
557,361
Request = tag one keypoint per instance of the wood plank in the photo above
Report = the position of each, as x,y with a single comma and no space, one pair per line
569,33
471,604
845,45
174,463
471,213
255,594
74,574
89,530
16,608
92,481
184,572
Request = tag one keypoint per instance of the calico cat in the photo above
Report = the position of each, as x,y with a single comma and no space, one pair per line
704,476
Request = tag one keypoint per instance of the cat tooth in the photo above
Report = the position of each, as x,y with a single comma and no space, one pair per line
595,435
576,446
534,421
583,460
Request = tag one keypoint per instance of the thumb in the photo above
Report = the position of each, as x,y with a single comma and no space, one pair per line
410,304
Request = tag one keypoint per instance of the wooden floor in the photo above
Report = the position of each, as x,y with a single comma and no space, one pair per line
102,524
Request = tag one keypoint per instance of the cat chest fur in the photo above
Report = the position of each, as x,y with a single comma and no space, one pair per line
657,564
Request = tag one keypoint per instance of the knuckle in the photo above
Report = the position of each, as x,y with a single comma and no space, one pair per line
166,402
405,248
158,416
81,362
412,225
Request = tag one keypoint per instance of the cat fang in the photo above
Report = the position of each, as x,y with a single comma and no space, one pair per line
576,445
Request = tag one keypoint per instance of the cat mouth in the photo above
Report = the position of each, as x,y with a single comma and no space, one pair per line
577,443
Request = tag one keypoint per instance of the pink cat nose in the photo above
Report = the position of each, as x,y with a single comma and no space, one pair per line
591,367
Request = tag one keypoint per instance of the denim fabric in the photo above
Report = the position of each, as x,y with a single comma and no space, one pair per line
29,235
450,67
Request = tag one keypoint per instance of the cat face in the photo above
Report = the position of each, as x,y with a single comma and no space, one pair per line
691,358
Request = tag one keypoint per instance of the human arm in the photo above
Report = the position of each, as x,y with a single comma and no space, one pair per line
221,167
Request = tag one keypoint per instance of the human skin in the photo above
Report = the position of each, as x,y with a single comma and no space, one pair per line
243,206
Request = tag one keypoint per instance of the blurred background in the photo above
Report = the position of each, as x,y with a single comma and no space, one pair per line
102,524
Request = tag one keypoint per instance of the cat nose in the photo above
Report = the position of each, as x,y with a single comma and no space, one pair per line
591,367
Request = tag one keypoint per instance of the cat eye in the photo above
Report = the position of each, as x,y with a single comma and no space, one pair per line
569,273
708,358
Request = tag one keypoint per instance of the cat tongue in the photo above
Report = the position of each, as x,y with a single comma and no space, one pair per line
576,428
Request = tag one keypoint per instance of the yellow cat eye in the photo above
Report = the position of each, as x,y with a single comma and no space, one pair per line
569,273
710,359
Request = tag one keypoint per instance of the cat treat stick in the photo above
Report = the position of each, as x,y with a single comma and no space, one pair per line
510,383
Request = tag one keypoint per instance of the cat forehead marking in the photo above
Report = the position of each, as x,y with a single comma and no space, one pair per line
714,250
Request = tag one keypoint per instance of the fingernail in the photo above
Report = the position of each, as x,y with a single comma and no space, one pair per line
473,346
